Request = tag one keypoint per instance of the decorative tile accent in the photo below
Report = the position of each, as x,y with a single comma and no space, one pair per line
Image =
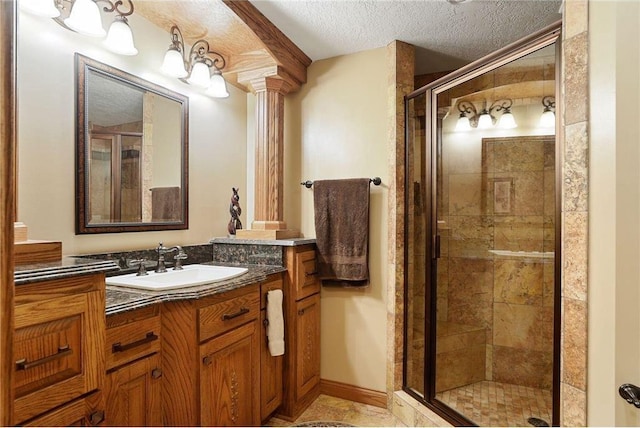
499,404
576,79
574,255
574,345
574,406
575,176
576,17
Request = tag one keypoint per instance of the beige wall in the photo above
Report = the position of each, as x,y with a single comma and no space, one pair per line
336,127
217,131
614,206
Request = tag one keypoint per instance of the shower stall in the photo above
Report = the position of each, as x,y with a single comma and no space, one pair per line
482,235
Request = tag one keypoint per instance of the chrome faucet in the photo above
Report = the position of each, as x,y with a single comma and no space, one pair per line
162,250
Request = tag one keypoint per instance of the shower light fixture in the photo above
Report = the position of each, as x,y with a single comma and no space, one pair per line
548,118
196,67
470,118
84,17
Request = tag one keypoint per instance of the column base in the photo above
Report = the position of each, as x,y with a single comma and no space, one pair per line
270,234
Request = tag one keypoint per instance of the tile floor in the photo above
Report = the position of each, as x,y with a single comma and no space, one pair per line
499,404
327,408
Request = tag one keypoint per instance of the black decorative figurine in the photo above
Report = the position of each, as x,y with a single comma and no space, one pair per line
235,211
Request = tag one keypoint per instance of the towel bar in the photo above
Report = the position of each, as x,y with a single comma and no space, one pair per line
375,180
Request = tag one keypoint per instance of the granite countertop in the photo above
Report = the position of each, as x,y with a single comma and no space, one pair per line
121,299
281,242
65,268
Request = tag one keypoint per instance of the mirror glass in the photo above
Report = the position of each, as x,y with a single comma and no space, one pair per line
132,152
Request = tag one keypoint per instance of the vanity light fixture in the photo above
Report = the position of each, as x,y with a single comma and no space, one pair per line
548,118
470,118
202,67
85,18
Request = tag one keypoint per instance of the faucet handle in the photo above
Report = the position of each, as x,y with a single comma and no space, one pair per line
141,269
178,258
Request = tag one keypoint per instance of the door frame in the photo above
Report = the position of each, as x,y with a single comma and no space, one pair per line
545,37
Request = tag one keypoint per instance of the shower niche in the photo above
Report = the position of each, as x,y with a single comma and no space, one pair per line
482,251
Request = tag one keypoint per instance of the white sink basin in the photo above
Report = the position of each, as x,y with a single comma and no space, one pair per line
191,275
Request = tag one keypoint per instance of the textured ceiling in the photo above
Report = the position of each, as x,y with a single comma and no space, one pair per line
447,35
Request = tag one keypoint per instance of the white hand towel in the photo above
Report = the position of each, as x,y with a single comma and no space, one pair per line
275,327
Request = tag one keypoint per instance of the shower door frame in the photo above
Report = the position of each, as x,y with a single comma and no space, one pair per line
545,37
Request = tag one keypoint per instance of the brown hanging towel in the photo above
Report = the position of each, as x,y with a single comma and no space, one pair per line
342,231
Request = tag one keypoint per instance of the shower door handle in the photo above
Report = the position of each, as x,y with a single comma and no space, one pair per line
631,393
436,246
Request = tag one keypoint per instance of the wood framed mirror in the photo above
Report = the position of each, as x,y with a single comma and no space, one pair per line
132,152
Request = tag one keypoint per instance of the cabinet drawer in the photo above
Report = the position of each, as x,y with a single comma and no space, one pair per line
57,352
265,287
138,336
83,412
307,282
223,316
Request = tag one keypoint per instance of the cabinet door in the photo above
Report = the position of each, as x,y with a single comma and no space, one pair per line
307,345
229,378
133,394
270,375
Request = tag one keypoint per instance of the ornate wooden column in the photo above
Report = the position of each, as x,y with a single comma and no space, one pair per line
269,165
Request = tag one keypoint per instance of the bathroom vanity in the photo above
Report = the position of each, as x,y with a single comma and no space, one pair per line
194,356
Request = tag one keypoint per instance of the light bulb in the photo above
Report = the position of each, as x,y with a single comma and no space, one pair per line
120,38
507,121
85,19
173,64
484,121
548,119
463,124
200,75
218,87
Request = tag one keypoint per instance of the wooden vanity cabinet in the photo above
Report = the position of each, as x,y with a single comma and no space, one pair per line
59,366
134,374
302,337
211,360
271,368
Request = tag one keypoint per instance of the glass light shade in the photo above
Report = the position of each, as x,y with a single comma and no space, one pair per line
173,64
463,124
507,121
548,119
484,121
200,75
85,19
218,87
44,8
120,38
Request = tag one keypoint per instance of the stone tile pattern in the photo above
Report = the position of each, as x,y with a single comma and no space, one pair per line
326,408
510,298
575,180
499,404
254,254
200,253
401,65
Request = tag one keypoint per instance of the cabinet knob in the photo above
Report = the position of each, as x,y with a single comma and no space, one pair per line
207,360
300,312
156,373
96,417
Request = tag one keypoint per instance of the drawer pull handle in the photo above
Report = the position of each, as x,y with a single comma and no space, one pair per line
63,351
96,417
118,347
315,272
241,312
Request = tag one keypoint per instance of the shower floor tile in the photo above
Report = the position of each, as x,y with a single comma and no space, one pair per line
499,404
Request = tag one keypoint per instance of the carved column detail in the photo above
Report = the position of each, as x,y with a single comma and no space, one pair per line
269,160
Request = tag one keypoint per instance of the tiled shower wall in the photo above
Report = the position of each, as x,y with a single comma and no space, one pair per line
510,297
